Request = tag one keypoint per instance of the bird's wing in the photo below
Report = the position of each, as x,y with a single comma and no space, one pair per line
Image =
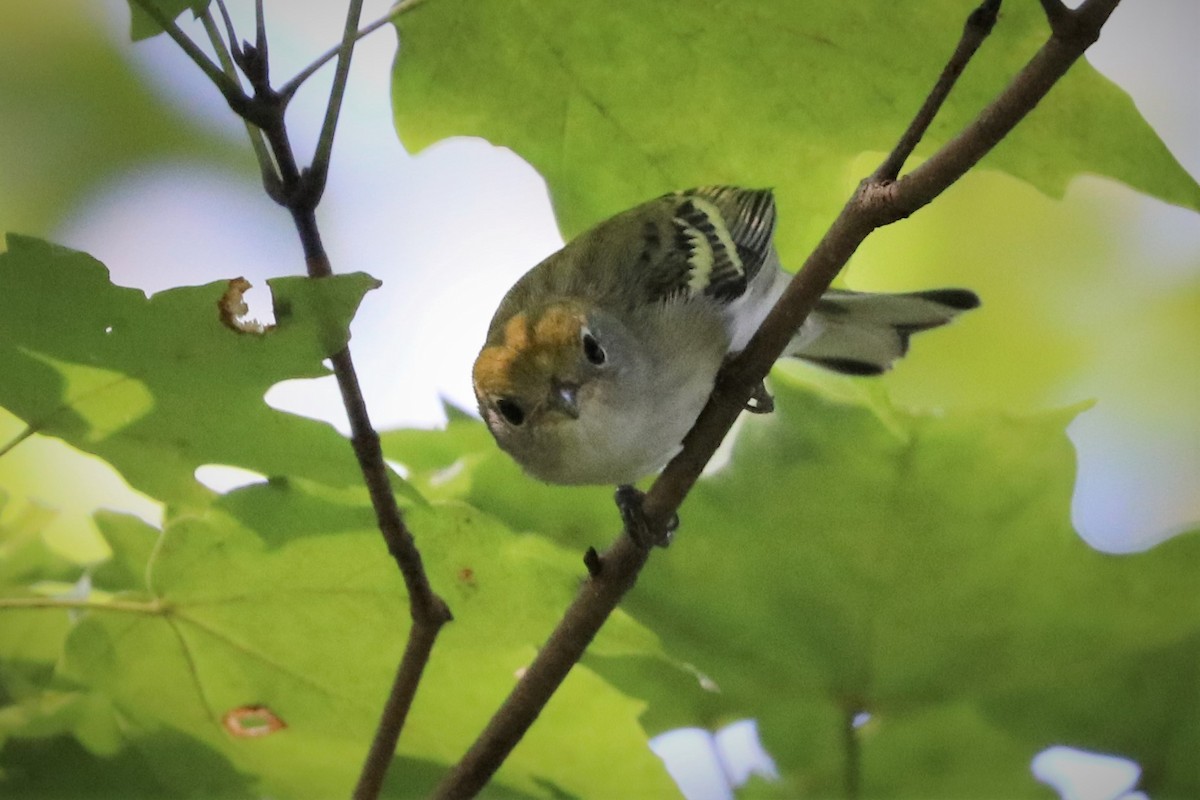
718,239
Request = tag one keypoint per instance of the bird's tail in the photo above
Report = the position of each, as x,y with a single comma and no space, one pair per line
859,333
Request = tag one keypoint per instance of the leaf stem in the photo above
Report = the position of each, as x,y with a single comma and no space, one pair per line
230,33
878,201
150,608
228,87
261,154
20,437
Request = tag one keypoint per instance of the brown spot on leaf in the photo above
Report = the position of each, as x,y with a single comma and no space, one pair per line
250,722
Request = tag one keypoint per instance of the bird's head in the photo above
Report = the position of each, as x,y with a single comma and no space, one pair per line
540,374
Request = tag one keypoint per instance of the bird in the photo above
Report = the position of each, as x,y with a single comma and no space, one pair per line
599,359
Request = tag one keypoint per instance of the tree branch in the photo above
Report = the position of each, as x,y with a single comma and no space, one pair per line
878,201
395,711
300,190
429,612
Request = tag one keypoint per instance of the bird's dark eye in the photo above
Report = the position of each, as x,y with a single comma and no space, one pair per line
592,350
511,410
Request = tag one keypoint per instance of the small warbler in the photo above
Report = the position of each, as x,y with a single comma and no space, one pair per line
600,358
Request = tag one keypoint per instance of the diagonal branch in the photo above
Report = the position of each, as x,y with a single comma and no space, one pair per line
878,201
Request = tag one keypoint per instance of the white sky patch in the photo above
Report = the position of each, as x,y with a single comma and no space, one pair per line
1082,775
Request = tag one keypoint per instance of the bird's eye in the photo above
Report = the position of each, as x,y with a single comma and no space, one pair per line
592,350
511,410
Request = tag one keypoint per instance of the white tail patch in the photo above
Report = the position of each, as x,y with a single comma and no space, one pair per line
863,334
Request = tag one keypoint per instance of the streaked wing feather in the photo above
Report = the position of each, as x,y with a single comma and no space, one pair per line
722,239
749,215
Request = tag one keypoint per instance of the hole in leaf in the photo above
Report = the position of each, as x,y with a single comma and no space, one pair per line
234,310
248,722
223,479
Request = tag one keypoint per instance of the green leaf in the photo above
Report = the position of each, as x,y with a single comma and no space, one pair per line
143,26
248,608
132,542
930,565
166,764
88,717
159,386
614,103
856,557
31,642
24,554
462,462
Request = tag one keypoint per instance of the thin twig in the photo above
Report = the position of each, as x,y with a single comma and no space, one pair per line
395,711
979,24
262,155
1024,92
429,612
874,204
260,28
289,88
228,87
319,171
230,32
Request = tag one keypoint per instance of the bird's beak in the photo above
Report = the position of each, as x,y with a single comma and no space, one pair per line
565,398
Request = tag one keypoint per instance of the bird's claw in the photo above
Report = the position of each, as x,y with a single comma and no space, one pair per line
629,502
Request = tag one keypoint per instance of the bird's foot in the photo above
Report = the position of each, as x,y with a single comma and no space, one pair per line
761,401
629,502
